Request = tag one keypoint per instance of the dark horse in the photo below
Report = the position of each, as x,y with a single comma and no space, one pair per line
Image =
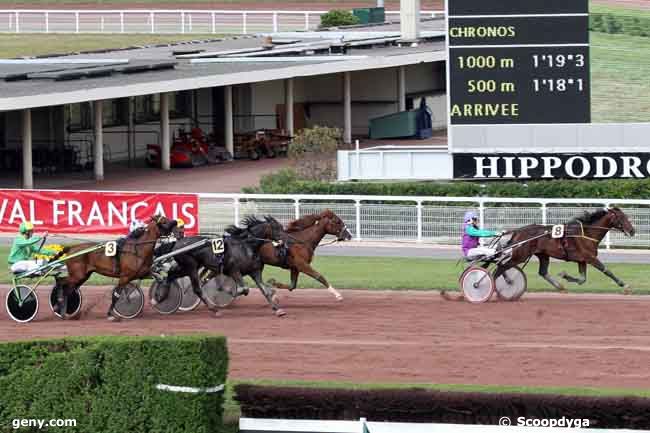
134,262
582,235
241,257
302,237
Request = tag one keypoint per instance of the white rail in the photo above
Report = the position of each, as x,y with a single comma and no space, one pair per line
156,21
419,219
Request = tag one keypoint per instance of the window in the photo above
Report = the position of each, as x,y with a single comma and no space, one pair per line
78,116
147,108
115,112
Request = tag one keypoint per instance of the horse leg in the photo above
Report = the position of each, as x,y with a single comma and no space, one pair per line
305,268
627,290
115,295
196,287
582,268
294,281
268,294
544,261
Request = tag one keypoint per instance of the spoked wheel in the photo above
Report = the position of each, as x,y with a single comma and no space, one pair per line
477,285
220,290
22,304
74,303
512,284
189,300
172,293
130,301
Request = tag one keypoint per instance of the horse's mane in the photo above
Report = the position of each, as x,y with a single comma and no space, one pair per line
248,223
308,221
591,217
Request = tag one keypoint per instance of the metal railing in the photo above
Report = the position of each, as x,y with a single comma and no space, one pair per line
419,219
162,20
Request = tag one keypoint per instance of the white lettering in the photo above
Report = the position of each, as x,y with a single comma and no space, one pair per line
527,163
3,209
550,164
570,169
96,214
134,209
120,214
74,212
600,166
480,167
17,213
509,167
160,210
56,212
32,214
631,165
186,211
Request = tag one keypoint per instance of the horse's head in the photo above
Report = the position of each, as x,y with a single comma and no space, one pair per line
162,225
618,220
335,225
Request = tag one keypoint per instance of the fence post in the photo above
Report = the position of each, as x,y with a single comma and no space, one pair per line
214,24
182,22
357,205
245,23
17,16
47,22
419,208
481,211
121,22
296,206
544,216
236,204
76,22
275,22
189,23
306,21
101,25
153,25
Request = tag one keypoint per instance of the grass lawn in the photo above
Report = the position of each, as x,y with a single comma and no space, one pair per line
620,67
32,44
387,273
618,10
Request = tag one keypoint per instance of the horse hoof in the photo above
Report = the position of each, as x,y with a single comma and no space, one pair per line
112,318
627,290
280,312
275,299
272,282
218,314
154,302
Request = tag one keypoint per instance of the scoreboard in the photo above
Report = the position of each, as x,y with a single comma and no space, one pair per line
518,62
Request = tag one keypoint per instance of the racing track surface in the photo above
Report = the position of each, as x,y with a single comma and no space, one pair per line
406,337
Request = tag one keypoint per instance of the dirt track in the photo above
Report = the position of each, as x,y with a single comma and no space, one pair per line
407,337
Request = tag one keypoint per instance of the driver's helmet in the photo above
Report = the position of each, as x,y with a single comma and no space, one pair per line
26,226
135,225
180,223
469,216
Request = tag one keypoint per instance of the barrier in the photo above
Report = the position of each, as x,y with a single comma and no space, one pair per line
163,20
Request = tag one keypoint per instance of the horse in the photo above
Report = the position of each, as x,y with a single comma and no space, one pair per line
131,263
241,257
301,238
579,243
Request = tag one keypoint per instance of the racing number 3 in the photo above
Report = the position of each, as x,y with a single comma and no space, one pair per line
218,246
110,249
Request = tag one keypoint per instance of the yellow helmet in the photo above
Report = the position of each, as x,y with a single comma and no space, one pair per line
26,226
180,223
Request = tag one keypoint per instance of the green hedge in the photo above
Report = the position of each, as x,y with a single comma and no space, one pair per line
338,17
286,182
617,23
108,384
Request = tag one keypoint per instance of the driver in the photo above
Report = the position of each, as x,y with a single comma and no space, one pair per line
23,248
471,235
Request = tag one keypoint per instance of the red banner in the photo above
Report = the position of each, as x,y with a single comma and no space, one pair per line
92,212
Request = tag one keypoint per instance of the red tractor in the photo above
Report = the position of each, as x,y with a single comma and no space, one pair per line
188,150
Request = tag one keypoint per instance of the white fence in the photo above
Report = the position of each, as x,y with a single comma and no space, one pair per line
419,219
163,21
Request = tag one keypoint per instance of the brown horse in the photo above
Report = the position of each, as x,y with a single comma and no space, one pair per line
131,263
579,244
582,235
302,237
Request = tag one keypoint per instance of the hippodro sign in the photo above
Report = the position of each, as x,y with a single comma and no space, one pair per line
92,212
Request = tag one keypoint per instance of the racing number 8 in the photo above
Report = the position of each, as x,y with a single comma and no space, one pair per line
218,246
557,231
110,249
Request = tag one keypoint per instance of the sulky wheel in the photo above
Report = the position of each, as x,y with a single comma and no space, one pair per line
130,301
74,303
22,304
477,285
189,300
220,290
173,296
512,284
